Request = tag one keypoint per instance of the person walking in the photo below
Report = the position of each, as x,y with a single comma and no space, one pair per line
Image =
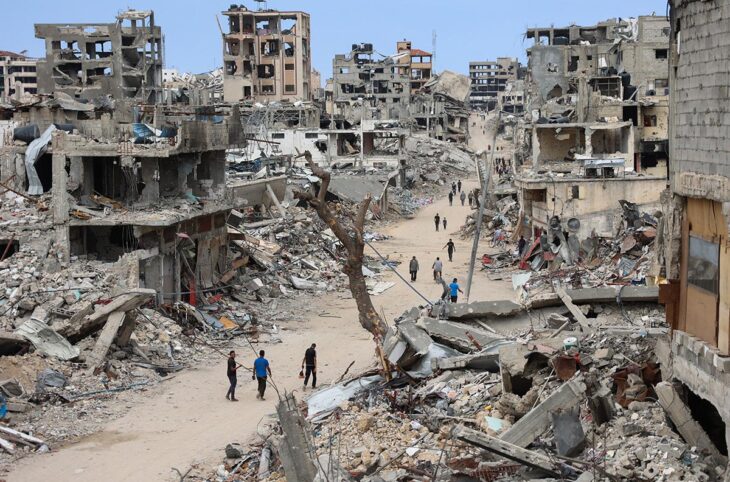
455,290
458,185
521,246
445,290
438,267
450,248
437,220
462,196
444,221
451,198
232,378
413,268
309,364
261,370
497,238
453,187
471,198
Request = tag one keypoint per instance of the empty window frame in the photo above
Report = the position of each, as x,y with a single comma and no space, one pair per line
661,53
703,264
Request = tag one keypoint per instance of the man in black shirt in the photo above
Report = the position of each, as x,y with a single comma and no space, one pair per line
310,363
232,367
451,247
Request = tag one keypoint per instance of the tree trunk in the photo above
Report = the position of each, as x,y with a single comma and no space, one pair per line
354,244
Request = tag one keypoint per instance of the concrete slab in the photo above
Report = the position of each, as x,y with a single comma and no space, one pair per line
459,336
570,439
537,420
482,309
416,337
646,294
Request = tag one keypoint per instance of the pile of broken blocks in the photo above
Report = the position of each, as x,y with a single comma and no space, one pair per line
475,397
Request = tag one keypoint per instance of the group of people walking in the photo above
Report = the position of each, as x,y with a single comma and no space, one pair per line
261,372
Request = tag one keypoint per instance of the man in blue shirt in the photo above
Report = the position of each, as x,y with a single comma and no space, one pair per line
260,371
455,290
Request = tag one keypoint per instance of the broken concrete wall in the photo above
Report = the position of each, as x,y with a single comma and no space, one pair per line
121,59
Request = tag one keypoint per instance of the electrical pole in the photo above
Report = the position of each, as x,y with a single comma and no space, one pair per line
482,202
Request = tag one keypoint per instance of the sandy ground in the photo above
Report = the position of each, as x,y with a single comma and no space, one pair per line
187,420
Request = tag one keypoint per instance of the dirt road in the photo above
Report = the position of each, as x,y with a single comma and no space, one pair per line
188,421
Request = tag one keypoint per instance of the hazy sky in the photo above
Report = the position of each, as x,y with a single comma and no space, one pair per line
465,29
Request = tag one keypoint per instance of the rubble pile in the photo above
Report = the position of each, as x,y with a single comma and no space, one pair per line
624,259
437,161
557,398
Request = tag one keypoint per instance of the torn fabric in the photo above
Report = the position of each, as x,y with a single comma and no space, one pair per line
35,150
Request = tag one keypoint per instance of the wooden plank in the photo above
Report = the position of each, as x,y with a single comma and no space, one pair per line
537,420
507,450
688,428
574,310
107,336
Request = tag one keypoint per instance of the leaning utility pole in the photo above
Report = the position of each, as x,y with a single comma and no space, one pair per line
482,201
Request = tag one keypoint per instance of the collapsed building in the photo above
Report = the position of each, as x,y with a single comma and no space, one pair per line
122,59
266,55
489,78
364,87
17,75
147,184
693,252
440,107
596,129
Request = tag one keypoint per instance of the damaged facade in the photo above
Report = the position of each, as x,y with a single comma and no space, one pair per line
87,61
596,124
693,254
266,55
489,78
17,75
416,64
146,185
364,87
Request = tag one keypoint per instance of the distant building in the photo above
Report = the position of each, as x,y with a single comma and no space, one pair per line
364,87
17,75
266,56
418,65
121,59
488,79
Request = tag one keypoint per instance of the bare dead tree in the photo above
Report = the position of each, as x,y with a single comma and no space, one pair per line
353,242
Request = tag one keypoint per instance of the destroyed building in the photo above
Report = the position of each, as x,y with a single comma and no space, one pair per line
489,78
440,107
17,75
615,70
365,87
512,99
142,184
266,55
417,64
597,125
694,255
123,59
